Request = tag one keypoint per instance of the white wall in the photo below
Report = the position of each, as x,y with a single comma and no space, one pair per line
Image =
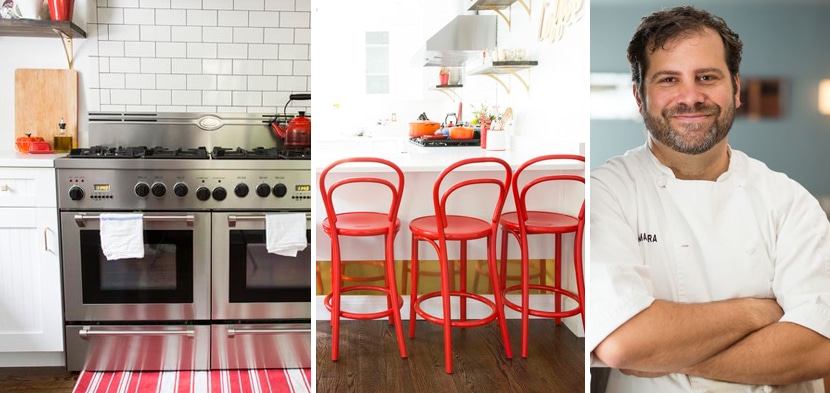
174,55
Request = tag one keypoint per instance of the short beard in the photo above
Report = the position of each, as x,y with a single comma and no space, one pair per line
660,129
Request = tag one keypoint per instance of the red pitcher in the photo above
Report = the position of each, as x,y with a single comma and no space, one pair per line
61,9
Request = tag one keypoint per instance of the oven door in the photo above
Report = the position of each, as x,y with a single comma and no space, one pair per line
248,282
171,282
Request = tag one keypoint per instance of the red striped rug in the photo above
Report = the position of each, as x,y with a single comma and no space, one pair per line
215,381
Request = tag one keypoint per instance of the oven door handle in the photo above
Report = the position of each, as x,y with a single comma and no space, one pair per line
87,332
81,218
242,331
233,218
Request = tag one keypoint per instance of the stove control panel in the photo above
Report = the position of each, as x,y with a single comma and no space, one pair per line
125,189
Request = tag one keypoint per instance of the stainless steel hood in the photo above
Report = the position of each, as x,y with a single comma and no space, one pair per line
464,38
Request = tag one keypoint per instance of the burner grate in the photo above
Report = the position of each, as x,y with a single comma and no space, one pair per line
239,153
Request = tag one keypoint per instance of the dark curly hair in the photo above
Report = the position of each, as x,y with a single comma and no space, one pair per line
659,28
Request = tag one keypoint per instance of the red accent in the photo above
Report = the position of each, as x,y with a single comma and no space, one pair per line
441,228
61,9
382,222
536,222
241,381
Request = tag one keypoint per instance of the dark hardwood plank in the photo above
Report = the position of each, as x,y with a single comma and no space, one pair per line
369,360
37,379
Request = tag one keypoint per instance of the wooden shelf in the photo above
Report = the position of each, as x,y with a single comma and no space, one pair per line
448,90
506,68
498,6
39,28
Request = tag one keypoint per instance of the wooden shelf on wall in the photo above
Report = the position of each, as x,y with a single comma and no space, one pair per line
39,28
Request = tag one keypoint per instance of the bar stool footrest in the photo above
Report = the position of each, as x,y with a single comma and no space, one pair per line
541,313
457,323
363,316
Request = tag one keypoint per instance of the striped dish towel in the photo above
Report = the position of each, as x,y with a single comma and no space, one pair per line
214,381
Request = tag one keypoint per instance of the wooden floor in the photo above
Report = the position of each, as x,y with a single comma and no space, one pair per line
37,380
369,360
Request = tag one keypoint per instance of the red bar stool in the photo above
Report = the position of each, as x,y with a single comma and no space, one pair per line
539,222
363,223
441,228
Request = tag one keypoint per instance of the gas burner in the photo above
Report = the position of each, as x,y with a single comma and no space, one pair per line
239,153
199,153
108,152
295,154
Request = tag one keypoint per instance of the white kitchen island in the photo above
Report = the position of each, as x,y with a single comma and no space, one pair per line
421,166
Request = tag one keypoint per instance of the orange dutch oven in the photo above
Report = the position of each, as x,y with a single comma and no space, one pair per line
461,133
420,128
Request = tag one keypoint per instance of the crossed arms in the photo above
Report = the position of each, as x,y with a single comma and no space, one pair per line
738,340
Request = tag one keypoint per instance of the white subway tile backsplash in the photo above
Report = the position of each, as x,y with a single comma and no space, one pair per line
186,33
277,67
295,19
279,36
111,48
262,83
216,98
199,55
138,16
217,34
125,97
292,83
155,97
233,18
154,3
140,81
247,98
112,81
201,18
171,49
265,19
293,52
140,49
172,81
217,66
187,66
124,33
262,51
217,4
155,66
232,82
199,50
113,108
125,64
187,97
251,5
201,82
140,108
247,67
171,17
232,51
279,5
250,35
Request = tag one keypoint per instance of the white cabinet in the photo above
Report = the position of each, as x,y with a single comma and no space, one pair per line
31,319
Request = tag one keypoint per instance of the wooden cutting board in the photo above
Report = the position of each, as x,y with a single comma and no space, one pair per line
41,98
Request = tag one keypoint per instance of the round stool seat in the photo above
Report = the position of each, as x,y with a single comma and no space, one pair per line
458,227
541,222
361,224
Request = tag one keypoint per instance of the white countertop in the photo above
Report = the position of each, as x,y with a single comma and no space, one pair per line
11,158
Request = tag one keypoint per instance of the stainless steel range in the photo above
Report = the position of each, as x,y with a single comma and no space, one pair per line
206,294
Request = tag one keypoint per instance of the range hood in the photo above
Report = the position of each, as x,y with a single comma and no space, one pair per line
464,38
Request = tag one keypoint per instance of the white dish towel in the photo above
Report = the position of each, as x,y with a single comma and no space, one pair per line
122,235
285,233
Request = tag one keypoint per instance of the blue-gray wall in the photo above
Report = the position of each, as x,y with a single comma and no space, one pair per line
789,42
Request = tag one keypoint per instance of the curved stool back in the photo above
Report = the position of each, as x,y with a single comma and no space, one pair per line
527,221
375,222
442,227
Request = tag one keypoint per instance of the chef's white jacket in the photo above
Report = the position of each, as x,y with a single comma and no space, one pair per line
751,233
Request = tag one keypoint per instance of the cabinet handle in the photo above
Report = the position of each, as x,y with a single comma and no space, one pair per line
232,332
46,240
86,332
233,218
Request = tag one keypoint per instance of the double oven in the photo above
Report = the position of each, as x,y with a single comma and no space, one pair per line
207,294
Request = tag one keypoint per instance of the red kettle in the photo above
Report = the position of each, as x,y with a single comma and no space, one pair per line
297,134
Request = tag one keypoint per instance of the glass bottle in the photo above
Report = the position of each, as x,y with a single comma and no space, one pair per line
62,142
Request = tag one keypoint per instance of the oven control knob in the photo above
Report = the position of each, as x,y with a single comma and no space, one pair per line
263,190
180,189
158,189
280,190
76,193
241,190
142,189
203,193
219,193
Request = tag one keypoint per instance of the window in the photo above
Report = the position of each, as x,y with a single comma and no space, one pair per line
377,62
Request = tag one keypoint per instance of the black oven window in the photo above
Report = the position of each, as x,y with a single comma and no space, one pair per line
258,276
164,275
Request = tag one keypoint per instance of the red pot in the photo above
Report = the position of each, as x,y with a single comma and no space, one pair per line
61,9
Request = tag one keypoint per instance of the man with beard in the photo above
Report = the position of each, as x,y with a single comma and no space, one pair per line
709,271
